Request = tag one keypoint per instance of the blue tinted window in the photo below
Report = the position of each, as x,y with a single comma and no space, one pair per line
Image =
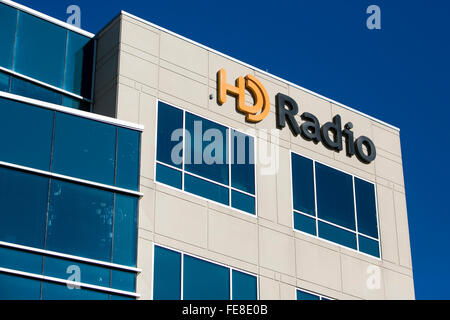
167,274
169,176
23,222
78,64
203,280
244,286
118,297
335,196
206,189
26,133
305,224
40,49
63,269
4,82
369,246
125,230
53,291
80,220
242,162
170,119
84,149
243,202
18,288
8,17
30,90
75,104
302,295
122,280
206,149
337,235
128,153
366,208
303,185
20,260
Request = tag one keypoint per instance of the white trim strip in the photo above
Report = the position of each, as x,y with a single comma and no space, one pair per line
79,113
43,84
259,70
72,179
47,18
67,282
69,257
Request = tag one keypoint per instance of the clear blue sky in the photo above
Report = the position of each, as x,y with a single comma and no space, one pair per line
399,74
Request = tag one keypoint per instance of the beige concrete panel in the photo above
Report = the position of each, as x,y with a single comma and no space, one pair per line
404,248
233,237
108,40
182,71
105,104
147,117
269,289
388,229
284,194
287,292
362,279
138,69
147,209
269,126
389,170
184,54
181,220
139,37
273,87
266,190
183,87
398,286
144,283
318,265
276,251
234,70
128,104
387,140
125,48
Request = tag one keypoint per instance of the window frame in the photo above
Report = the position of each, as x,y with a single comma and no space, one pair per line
317,219
183,253
320,296
183,171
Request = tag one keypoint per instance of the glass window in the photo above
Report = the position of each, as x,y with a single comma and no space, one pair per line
27,134
75,104
337,235
167,274
8,17
335,196
206,189
30,90
244,286
19,288
369,246
169,176
242,162
122,280
20,260
366,208
125,230
204,280
170,134
302,295
23,222
80,220
206,149
305,223
303,185
128,154
243,202
84,149
47,43
54,291
4,82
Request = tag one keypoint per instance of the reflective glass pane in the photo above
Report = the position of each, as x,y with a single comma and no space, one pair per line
128,154
170,135
243,202
244,286
76,271
80,221
335,196
79,57
23,222
26,133
242,162
303,185
122,280
337,235
20,260
75,104
167,274
4,82
30,90
305,224
47,43
302,295
366,208
206,149
206,189
18,288
8,17
369,246
118,297
168,176
204,280
84,149
125,230
53,291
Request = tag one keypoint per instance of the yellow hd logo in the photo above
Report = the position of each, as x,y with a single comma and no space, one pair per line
255,113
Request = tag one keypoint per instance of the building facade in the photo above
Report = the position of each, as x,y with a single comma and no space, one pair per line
153,167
